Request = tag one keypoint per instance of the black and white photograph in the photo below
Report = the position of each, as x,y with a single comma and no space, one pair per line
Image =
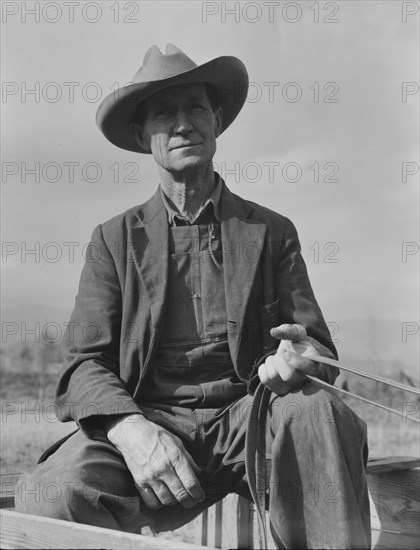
210,274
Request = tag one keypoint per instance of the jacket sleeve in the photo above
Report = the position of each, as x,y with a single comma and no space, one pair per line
297,302
90,385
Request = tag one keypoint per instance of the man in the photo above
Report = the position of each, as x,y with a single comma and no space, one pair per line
178,299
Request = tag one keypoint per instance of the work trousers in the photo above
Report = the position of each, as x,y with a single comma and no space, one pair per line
316,453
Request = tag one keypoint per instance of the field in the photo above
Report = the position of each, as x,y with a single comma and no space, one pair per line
29,428
28,424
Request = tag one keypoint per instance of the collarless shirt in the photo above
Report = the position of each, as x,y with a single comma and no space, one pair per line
175,218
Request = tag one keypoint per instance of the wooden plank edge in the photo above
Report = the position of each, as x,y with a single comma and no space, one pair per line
204,526
7,501
388,540
218,524
245,523
27,531
388,464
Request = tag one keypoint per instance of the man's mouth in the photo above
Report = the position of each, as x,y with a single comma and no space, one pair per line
185,145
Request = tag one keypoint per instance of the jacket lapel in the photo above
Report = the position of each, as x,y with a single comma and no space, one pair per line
151,254
243,242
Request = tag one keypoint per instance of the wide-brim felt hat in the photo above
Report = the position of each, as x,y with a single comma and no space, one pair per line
227,75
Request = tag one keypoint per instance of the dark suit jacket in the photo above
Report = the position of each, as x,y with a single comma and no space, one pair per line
117,321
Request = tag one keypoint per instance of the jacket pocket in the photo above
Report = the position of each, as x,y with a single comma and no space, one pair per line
269,316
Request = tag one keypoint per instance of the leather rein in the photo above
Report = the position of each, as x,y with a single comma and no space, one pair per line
255,446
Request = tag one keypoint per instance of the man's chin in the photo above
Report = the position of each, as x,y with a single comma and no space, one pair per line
191,163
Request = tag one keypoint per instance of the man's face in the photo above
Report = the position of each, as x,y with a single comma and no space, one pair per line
180,128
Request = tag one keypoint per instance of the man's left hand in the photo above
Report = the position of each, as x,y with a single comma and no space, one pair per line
283,371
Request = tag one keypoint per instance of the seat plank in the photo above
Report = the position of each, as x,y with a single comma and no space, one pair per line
394,501
8,490
394,493
21,531
382,540
387,464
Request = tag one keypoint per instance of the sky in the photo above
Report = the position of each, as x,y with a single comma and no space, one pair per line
328,137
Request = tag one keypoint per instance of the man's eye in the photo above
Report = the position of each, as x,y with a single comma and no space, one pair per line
197,106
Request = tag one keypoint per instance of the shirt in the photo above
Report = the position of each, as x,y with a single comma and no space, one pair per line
193,366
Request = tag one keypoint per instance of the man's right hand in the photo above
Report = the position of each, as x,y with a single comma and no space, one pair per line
163,470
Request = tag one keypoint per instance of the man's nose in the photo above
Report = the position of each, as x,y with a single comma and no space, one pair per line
182,122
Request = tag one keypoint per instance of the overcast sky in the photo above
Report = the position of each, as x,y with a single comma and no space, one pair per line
342,107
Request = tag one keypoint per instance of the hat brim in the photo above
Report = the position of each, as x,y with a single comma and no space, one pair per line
228,76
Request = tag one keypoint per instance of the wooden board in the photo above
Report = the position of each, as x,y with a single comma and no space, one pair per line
22,531
8,490
394,501
394,492
390,464
244,523
393,541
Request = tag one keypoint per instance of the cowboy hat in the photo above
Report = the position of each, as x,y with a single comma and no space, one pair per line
227,75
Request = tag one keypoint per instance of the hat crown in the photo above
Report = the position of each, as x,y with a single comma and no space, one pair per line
158,66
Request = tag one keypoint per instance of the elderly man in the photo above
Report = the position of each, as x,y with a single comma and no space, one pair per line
179,298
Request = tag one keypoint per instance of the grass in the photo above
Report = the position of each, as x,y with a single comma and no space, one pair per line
24,437
388,434
28,428
28,425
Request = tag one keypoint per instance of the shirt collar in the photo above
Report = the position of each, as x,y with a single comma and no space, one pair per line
214,199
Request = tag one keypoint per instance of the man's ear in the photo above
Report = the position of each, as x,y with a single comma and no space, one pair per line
218,115
137,132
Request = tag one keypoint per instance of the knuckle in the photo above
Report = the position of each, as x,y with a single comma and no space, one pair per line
269,360
182,495
167,500
192,485
159,470
175,457
262,372
143,480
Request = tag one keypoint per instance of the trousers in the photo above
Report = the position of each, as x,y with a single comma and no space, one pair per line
316,456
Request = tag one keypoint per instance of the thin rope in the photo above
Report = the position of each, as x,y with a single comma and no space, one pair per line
334,363
322,383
